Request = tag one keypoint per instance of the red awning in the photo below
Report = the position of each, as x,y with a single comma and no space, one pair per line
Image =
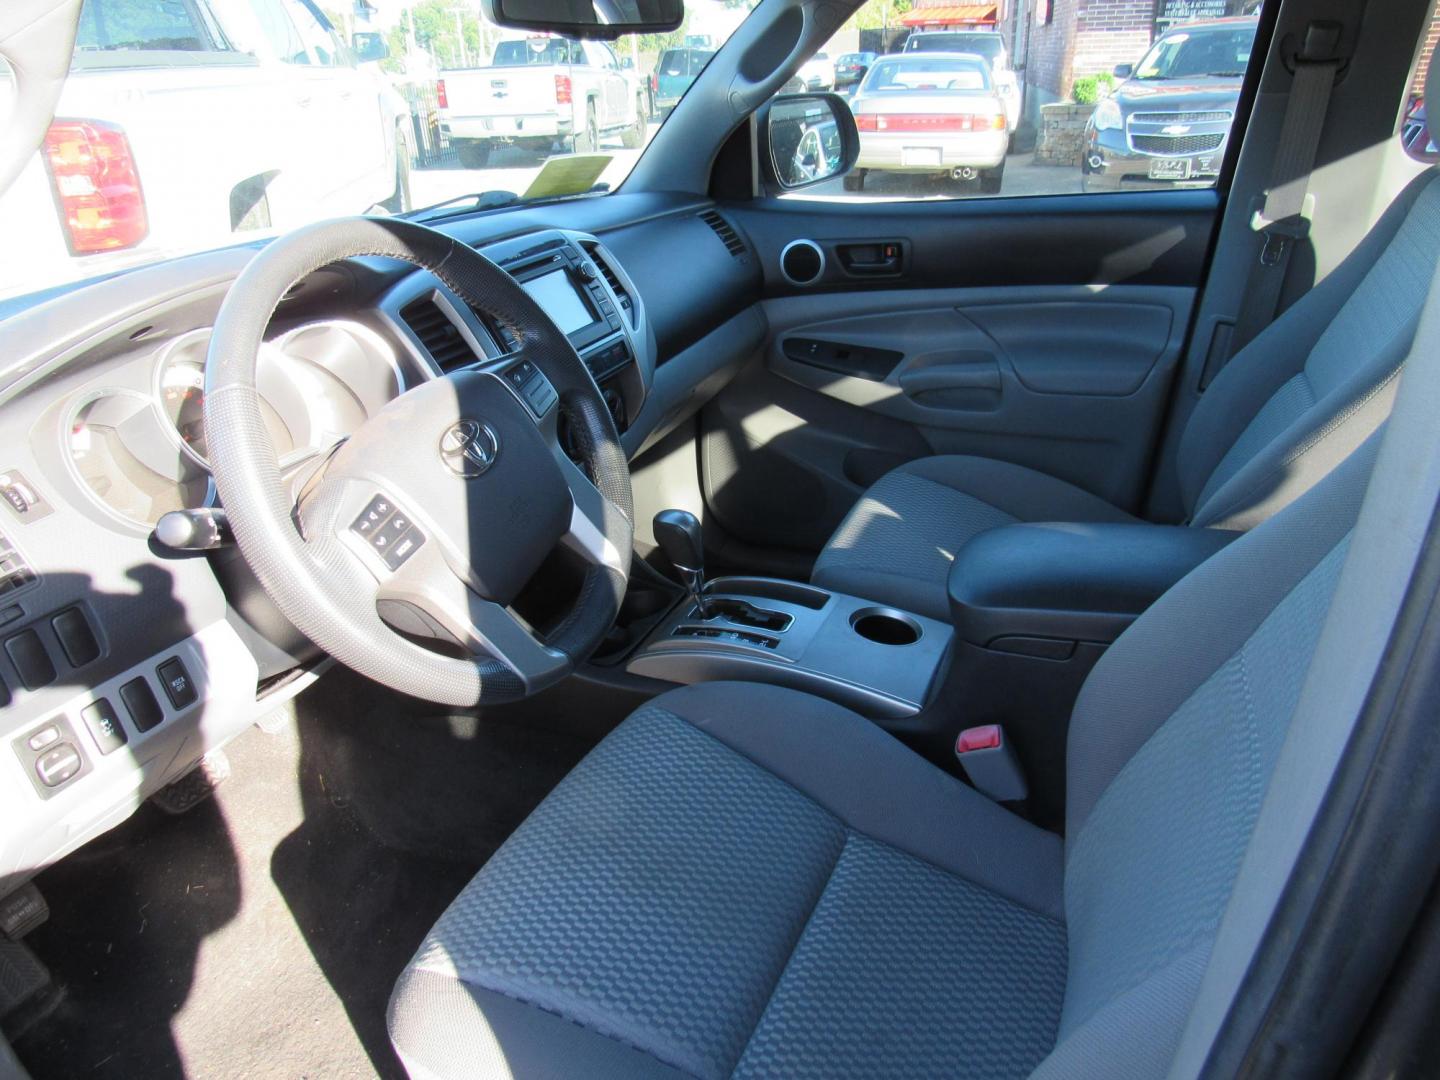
951,15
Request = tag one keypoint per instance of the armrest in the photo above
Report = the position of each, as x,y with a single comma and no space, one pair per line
1068,581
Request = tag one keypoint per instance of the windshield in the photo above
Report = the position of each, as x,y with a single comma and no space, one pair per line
1196,54
932,76
990,46
187,125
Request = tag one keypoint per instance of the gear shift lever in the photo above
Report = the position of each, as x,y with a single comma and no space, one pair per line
678,534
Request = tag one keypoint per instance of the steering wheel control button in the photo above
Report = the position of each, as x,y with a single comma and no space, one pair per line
373,516
32,662
58,764
46,736
403,547
76,637
105,725
179,687
469,448
140,703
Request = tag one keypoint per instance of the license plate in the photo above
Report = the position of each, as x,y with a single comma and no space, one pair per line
1170,169
920,156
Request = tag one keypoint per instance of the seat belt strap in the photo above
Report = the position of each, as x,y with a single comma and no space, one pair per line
1284,218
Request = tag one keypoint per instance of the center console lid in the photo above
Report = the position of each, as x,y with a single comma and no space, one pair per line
1036,588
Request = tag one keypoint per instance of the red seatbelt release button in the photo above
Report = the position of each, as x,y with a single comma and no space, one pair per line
990,763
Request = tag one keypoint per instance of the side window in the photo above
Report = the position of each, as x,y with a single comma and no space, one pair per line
283,40
323,45
607,56
1419,132
144,25
1033,97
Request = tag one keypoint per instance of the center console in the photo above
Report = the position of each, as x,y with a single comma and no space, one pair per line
879,661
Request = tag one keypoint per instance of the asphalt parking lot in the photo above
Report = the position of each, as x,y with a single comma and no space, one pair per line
513,170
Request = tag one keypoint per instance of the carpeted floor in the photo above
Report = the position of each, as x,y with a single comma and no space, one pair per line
260,934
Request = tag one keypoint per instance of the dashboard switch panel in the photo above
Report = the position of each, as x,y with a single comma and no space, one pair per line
15,572
140,703
76,638
51,755
104,724
32,662
179,687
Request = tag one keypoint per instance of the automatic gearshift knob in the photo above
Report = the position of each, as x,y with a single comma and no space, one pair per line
678,534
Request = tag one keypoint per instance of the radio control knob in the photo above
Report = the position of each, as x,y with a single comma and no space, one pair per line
587,271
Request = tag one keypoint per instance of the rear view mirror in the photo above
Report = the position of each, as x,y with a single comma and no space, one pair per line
369,46
1124,71
607,19
807,138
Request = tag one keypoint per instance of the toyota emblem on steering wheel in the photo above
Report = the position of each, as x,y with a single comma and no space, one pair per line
469,448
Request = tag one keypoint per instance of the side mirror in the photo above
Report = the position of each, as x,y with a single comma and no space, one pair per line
806,139
604,19
1124,71
369,46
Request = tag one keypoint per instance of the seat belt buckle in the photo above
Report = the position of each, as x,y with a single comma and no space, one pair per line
990,763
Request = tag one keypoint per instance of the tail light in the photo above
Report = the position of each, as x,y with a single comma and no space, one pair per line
562,89
936,123
440,98
96,185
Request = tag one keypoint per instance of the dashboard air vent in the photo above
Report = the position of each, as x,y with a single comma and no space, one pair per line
440,336
725,231
613,280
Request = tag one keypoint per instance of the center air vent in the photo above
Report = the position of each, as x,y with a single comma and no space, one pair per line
441,337
725,231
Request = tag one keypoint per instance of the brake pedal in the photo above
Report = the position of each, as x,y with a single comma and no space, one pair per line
26,991
194,787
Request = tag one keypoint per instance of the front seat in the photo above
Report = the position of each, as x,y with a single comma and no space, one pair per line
742,880
1291,404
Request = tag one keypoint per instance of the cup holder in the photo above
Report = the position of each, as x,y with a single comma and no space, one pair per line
885,626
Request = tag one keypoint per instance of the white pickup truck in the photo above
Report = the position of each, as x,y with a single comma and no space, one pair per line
283,125
544,93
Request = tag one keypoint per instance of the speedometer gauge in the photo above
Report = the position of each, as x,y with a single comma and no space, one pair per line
182,397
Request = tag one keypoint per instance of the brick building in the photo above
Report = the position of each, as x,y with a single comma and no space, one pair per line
1054,42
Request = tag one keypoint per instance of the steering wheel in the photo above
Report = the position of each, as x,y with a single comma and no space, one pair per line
428,521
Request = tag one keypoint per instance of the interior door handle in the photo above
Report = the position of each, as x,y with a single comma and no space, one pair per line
977,375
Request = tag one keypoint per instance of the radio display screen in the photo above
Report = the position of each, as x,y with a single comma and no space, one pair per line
561,301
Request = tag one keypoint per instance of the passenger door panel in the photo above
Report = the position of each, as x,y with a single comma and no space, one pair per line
1067,376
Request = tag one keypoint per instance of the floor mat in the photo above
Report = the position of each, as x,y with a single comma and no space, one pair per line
260,933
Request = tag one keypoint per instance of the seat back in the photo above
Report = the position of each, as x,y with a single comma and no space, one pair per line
1172,744
1319,380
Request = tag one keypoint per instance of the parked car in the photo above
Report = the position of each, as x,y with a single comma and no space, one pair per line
934,113
543,93
984,43
851,68
1167,122
113,188
818,73
678,68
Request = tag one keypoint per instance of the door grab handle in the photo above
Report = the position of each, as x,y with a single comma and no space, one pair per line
978,376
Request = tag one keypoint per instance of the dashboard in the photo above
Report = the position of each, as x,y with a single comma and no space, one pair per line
123,661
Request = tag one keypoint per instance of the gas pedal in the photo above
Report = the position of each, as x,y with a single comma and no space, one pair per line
195,786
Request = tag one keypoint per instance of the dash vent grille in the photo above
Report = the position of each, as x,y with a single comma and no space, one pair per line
725,231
